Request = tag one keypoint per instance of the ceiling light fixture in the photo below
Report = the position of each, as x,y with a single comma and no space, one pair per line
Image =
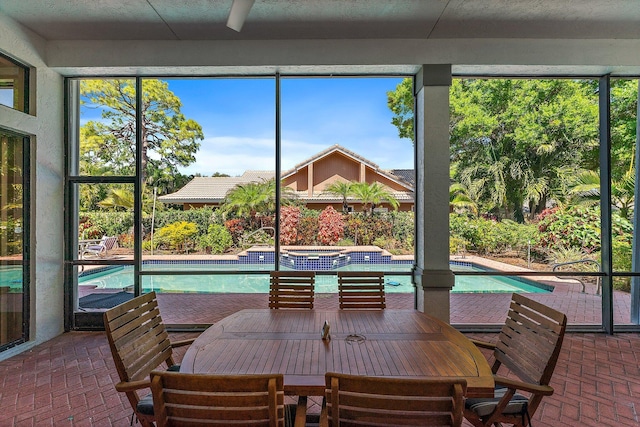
238,13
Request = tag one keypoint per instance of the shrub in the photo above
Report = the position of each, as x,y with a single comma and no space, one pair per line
97,224
364,229
621,254
489,235
289,224
218,239
308,231
178,235
236,229
330,226
202,217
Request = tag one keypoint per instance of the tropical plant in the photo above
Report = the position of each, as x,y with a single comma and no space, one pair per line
341,189
586,188
371,195
330,226
289,224
255,198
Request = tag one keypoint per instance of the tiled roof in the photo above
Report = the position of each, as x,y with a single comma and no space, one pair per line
407,175
212,189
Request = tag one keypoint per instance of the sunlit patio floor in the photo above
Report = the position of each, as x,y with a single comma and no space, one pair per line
69,381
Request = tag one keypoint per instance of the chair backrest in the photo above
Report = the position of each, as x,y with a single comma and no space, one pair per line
109,242
384,401
530,341
248,400
361,290
137,337
292,289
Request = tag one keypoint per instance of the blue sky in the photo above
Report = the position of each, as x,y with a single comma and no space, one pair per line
238,120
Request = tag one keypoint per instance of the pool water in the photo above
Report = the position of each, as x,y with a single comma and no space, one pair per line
122,277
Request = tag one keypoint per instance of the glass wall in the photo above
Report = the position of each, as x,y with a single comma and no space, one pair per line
524,197
14,237
624,179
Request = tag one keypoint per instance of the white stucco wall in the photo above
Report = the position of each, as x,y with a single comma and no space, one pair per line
45,126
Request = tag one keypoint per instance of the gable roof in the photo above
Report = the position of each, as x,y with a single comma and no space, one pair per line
400,179
212,190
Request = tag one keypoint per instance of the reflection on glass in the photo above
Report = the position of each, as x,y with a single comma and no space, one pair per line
13,84
12,285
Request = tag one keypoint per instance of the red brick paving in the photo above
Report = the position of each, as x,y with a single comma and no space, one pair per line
69,381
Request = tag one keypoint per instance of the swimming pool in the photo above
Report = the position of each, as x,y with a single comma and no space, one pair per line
122,277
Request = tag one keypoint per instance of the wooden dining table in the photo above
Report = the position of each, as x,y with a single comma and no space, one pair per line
387,343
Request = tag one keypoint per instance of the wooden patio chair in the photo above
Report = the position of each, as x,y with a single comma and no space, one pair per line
361,290
528,346
181,399
383,401
292,289
139,344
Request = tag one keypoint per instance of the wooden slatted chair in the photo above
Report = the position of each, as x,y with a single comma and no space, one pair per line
361,290
382,401
182,399
528,346
139,344
292,289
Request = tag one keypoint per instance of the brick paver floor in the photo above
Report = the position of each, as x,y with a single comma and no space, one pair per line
69,381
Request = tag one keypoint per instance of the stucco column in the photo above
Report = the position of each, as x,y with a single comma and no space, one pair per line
432,276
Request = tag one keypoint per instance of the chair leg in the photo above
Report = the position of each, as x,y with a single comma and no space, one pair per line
301,412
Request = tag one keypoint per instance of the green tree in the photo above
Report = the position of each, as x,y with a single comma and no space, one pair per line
516,141
400,102
521,138
169,140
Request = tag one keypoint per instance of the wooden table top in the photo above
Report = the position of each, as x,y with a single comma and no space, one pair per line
395,343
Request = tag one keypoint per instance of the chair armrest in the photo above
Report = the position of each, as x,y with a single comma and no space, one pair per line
301,412
125,386
182,343
544,390
483,344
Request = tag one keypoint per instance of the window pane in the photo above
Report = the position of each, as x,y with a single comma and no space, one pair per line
524,176
348,180
213,179
624,108
13,284
108,127
105,221
13,84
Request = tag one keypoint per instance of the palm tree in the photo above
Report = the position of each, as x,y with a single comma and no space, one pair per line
256,197
373,194
459,199
341,189
587,190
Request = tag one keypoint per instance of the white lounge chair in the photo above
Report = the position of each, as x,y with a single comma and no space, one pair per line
101,248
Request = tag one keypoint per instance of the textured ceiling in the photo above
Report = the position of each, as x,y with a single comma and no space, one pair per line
328,19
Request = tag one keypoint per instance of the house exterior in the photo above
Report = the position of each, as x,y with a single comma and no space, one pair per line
308,181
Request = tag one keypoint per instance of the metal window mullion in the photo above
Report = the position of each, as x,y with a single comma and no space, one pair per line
604,98
276,237
137,194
